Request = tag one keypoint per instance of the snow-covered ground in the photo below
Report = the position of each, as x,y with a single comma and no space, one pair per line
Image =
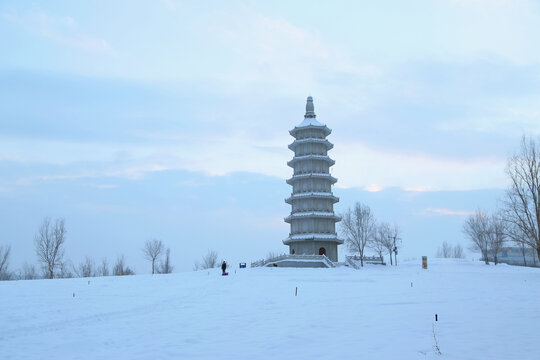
485,312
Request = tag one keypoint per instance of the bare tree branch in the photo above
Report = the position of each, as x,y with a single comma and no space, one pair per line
382,240
120,267
104,268
166,267
209,261
152,250
358,227
476,228
87,268
4,262
49,242
522,204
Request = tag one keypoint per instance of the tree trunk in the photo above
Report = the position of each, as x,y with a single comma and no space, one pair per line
153,262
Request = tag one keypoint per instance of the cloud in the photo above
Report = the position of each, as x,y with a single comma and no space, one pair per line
358,164
418,189
62,30
104,186
374,188
285,57
444,212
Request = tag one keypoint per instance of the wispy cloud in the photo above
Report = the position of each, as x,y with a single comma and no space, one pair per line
104,186
63,30
374,188
418,189
444,212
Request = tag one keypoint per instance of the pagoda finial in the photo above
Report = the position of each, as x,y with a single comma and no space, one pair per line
310,109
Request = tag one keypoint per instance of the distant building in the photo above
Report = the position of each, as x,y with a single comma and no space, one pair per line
517,256
312,218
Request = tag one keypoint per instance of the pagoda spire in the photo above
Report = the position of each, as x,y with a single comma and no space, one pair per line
310,109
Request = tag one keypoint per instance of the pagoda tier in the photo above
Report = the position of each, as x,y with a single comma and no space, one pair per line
324,158
312,218
306,176
321,195
325,142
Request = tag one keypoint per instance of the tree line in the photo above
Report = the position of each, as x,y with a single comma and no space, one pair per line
447,250
49,245
362,232
517,220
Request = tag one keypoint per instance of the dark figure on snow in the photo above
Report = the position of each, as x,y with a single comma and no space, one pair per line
223,267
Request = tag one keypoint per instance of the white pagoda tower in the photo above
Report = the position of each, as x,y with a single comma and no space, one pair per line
312,218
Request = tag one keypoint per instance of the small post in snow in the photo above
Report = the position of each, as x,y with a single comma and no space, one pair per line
436,317
411,283
296,291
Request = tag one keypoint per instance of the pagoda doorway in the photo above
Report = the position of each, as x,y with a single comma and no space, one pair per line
322,251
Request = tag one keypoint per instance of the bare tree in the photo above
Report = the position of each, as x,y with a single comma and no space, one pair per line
523,249
381,239
445,250
394,242
209,261
120,267
4,262
166,267
87,268
522,204
29,272
458,252
66,270
358,227
497,236
152,250
49,242
103,268
477,229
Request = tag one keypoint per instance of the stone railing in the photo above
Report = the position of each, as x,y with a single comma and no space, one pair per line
367,260
322,258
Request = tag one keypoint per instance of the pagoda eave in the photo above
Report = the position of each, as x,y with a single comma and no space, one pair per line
327,131
311,195
295,178
297,142
313,237
311,157
312,215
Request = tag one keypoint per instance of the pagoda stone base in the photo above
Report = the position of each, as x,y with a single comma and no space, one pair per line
313,247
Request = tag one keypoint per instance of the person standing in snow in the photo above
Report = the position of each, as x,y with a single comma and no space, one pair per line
223,267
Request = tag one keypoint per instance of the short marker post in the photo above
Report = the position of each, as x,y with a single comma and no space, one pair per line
296,291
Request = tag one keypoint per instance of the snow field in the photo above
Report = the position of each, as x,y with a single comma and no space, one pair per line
485,312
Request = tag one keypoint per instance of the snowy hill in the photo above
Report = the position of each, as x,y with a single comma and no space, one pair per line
484,312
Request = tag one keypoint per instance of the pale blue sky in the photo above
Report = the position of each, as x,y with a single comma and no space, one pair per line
100,99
